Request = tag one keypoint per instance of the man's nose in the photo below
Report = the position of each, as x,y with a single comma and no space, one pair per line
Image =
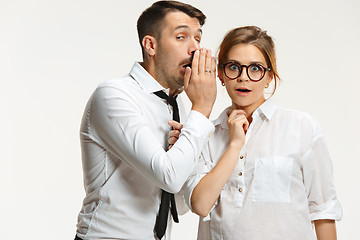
195,45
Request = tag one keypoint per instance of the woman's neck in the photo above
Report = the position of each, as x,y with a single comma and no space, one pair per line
249,109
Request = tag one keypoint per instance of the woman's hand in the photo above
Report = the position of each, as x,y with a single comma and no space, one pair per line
174,134
238,125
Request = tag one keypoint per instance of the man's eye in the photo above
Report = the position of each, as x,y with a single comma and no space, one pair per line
180,37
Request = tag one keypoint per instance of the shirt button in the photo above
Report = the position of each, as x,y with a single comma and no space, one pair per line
240,190
240,173
241,156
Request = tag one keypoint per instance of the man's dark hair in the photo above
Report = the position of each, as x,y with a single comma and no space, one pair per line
150,21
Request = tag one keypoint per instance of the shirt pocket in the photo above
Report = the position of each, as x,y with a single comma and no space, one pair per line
272,179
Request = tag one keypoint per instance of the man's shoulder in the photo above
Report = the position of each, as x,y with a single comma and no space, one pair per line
122,83
125,88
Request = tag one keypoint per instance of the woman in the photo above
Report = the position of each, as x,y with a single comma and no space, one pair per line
265,172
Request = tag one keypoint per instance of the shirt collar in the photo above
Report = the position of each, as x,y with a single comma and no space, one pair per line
266,109
222,119
145,80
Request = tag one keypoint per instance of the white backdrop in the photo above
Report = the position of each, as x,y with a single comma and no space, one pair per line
54,53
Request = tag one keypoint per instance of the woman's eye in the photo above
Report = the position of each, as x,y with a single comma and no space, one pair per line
255,68
180,37
234,67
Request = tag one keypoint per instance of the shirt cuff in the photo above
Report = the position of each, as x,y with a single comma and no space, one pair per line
189,187
202,124
329,210
208,218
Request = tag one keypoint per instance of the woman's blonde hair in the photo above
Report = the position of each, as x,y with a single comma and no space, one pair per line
250,35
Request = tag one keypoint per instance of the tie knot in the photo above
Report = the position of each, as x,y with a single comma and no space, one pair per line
170,100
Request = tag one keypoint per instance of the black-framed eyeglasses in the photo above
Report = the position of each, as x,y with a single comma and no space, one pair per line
254,71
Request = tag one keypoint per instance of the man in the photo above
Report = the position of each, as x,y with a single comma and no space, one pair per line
124,129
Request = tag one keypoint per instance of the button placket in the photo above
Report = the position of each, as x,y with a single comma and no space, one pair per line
240,181
240,167
240,192
239,197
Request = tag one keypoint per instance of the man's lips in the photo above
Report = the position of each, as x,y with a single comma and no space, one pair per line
189,62
187,65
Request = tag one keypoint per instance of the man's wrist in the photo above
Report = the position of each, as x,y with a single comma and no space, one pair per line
203,110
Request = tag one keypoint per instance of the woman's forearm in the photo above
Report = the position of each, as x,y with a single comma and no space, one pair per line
325,229
208,190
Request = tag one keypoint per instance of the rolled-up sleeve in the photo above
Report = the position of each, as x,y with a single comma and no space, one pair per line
117,123
318,180
202,167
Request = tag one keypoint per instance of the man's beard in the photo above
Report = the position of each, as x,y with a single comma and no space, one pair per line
168,74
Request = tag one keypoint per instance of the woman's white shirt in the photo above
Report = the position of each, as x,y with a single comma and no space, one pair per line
281,183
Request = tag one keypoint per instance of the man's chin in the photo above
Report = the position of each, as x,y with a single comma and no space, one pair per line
180,81
178,84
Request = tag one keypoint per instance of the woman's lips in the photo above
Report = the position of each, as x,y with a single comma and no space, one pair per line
243,91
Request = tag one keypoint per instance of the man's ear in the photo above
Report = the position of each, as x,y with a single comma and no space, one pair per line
149,45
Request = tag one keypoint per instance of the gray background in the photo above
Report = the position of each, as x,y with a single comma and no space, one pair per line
54,53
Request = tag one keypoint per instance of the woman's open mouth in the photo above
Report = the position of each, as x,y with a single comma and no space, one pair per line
243,91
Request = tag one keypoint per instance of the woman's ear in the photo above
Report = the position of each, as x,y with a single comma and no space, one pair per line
220,76
149,44
271,77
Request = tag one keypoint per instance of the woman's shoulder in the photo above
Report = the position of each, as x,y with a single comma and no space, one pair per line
294,113
302,119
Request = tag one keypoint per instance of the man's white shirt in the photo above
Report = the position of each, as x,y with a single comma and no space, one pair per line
124,134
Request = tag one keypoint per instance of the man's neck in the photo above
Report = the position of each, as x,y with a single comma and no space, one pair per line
150,68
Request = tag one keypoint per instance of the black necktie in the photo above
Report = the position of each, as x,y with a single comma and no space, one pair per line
166,198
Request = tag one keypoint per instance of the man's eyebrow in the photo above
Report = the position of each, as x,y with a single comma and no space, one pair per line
186,27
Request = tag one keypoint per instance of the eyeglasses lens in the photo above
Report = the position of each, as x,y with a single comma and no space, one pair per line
254,71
